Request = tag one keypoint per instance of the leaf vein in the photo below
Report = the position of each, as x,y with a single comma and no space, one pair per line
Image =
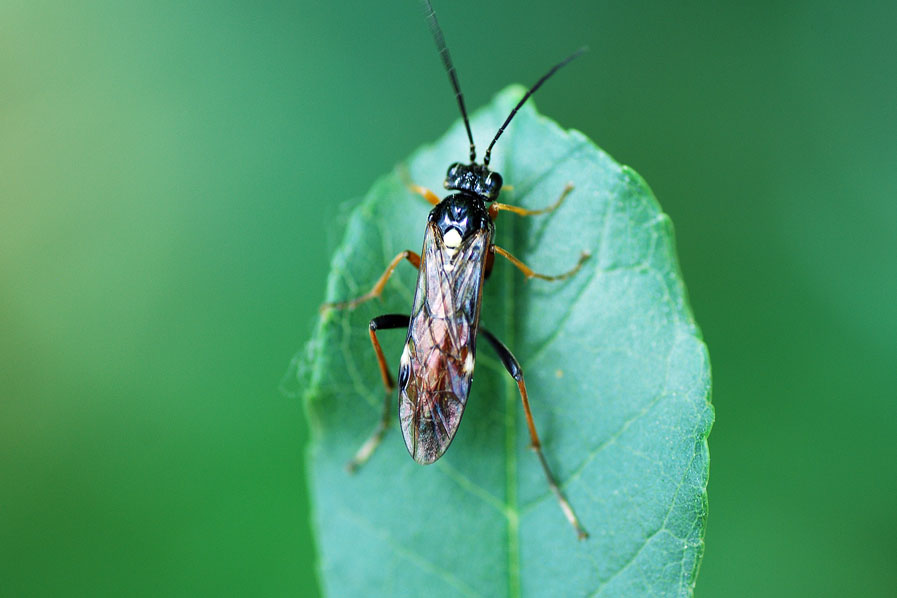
471,487
411,556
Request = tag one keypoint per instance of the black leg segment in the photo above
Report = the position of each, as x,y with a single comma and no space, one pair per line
507,359
390,321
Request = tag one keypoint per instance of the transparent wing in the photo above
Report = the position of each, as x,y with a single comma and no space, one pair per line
438,359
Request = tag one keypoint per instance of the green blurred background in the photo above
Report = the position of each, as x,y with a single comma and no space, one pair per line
171,175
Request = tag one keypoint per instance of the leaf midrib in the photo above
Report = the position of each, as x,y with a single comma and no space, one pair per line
511,395
512,508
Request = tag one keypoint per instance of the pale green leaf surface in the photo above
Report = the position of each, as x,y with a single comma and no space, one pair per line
617,374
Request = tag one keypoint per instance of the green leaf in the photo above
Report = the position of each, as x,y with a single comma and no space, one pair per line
618,378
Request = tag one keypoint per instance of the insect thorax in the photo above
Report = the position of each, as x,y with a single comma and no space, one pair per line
465,213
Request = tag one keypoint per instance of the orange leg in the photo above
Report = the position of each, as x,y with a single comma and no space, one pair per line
528,272
367,449
378,286
495,208
513,367
431,197
425,193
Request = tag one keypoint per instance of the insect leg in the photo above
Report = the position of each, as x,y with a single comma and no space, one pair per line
386,322
513,367
431,197
528,272
378,286
496,207
425,193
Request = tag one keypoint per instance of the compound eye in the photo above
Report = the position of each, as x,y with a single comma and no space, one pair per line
453,170
493,184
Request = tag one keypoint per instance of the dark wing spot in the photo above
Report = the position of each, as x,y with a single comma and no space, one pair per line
404,374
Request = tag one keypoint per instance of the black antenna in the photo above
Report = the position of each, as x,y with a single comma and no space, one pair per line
532,90
450,68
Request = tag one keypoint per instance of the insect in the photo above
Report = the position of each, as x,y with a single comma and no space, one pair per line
437,363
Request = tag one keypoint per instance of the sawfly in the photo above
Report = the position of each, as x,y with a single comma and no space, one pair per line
437,363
